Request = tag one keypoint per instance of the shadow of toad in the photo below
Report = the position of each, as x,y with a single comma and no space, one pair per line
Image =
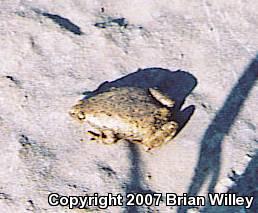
177,85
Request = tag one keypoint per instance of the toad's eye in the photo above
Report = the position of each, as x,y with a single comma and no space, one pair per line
81,115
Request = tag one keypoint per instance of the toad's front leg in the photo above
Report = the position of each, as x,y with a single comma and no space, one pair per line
103,136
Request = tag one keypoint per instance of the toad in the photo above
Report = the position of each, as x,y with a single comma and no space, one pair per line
134,114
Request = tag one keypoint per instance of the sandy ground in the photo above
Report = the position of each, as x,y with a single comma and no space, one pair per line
52,53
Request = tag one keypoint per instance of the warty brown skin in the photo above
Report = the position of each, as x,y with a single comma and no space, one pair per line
127,113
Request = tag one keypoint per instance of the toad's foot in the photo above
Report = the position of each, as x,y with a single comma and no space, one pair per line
104,136
162,98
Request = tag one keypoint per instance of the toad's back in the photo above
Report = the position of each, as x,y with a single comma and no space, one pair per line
134,106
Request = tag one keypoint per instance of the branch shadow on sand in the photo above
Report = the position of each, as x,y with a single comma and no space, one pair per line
245,185
177,85
209,161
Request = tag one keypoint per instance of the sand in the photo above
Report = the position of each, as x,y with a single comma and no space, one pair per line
53,53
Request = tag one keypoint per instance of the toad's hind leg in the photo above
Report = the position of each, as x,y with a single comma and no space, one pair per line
162,98
104,136
163,135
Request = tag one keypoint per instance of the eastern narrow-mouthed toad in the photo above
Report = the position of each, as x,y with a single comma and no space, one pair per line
135,114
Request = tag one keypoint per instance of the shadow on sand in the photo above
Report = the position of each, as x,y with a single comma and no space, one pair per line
210,151
245,185
177,85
